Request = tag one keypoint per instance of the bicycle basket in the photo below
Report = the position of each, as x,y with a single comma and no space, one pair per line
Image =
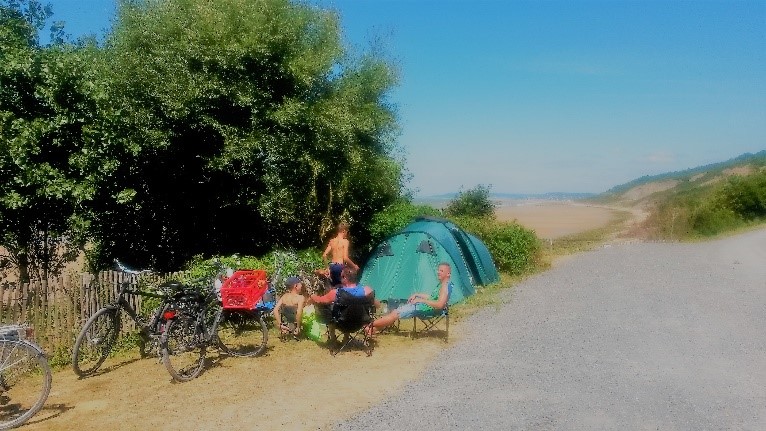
243,289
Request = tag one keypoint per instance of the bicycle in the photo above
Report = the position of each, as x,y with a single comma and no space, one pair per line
235,328
98,336
25,376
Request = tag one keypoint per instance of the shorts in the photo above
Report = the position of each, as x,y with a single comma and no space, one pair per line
407,310
335,270
411,310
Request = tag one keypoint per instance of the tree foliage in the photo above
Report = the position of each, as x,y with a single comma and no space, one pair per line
474,202
198,127
45,110
395,217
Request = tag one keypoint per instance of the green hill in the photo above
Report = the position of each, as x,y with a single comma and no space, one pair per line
698,202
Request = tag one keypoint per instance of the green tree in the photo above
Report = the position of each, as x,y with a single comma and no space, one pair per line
395,217
243,125
43,104
474,202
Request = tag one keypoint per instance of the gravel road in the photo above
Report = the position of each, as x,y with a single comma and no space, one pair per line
627,337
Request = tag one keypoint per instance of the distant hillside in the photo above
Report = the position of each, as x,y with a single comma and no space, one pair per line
699,175
552,196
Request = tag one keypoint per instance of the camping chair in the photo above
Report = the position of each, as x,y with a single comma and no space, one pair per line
431,322
432,319
350,315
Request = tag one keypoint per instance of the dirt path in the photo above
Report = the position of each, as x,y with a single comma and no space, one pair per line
295,386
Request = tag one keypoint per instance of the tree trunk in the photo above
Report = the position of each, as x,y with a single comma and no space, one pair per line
23,266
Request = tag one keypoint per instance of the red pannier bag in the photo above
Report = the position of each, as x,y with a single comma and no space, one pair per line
243,289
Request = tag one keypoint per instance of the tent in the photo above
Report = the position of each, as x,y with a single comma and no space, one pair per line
406,262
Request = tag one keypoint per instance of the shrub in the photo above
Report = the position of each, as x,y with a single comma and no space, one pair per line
397,216
745,196
472,203
279,264
514,248
709,220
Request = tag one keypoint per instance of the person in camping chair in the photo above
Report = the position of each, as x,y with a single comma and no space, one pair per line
349,283
348,278
421,302
289,309
337,248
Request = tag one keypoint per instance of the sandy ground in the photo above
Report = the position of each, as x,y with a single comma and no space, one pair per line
296,386
551,219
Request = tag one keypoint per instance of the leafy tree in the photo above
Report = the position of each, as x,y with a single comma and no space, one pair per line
474,202
243,125
43,104
395,217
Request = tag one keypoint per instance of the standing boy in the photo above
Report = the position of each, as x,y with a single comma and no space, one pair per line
337,248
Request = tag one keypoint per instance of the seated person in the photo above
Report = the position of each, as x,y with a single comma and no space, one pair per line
348,283
421,302
289,309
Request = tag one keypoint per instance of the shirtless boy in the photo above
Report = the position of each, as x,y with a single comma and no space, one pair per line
337,248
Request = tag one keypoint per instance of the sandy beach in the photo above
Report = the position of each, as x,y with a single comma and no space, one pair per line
555,219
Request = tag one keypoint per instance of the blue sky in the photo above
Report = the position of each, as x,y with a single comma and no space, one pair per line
555,96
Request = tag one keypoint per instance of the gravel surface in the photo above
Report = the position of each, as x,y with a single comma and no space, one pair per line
627,337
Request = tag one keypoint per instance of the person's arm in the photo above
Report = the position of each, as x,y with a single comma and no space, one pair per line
299,315
440,302
327,251
347,259
415,296
327,298
277,316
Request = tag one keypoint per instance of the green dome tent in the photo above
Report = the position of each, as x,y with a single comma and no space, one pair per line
406,262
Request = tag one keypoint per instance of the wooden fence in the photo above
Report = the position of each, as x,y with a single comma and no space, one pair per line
58,308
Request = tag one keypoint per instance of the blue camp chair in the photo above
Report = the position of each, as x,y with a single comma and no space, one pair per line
351,315
431,322
432,319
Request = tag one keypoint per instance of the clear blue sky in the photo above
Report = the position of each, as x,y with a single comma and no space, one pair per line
555,96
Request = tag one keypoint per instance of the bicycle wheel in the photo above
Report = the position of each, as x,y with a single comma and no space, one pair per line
183,348
243,334
25,382
95,341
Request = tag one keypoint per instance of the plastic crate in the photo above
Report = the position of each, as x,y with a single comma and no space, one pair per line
243,289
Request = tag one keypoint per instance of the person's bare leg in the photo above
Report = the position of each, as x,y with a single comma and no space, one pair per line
384,321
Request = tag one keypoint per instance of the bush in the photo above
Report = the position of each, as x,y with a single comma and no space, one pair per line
710,220
711,210
745,196
514,248
395,217
279,265
472,203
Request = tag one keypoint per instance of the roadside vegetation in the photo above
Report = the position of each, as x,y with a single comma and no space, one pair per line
703,202
736,203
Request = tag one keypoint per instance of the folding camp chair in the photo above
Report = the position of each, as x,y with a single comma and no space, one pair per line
431,322
351,315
